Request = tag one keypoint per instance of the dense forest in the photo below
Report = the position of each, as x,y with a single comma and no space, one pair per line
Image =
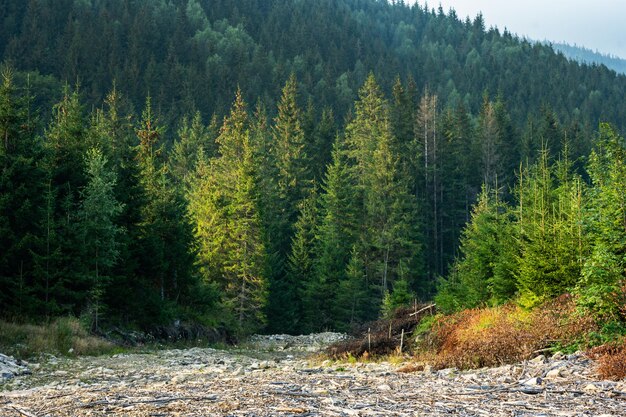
294,166
587,56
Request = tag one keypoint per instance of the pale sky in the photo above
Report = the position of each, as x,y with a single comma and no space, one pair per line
597,25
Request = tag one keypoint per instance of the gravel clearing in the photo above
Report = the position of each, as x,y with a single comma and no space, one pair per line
276,379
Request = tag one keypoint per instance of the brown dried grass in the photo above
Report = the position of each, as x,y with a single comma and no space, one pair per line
64,336
500,335
610,360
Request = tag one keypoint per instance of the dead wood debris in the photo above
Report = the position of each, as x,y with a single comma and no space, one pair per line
205,382
384,336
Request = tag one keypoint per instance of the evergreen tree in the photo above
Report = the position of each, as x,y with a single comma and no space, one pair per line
352,304
324,134
194,139
489,142
292,182
426,178
21,198
484,273
339,223
300,264
400,296
224,209
166,259
388,239
65,144
601,288
97,230
549,214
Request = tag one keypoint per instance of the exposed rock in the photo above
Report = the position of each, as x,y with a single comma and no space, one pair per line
11,367
555,373
251,383
303,343
591,388
533,381
539,359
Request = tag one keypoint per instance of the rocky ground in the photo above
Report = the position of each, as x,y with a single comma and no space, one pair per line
272,377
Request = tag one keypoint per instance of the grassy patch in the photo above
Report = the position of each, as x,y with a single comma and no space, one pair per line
64,336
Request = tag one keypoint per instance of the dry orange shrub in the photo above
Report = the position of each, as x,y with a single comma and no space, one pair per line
611,360
499,335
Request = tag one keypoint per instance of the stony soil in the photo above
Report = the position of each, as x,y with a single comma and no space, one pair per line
274,378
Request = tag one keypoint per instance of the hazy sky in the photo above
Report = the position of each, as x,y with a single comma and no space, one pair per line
597,24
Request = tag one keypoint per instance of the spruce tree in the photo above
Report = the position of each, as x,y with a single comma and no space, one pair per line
601,288
549,209
388,239
484,272
22,186
165,234
97,230
300,264
292,181
339,223
65,144
224,210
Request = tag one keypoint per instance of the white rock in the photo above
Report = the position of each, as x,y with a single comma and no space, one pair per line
592,389
558,356
533,381
539,359
449,372
555,373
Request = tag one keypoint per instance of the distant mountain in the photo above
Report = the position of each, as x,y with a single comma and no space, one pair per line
587,56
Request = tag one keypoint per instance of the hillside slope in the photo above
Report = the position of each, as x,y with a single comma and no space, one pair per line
192,54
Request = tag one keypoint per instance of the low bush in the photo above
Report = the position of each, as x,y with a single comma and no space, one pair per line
611,360
499,335
64,336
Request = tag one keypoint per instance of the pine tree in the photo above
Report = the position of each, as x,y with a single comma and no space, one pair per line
388,239
601,288
97,230
224,210
291,183
21,198
165,234
484,273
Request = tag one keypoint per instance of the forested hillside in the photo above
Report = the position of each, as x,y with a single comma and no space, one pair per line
587,56
290,165
192,55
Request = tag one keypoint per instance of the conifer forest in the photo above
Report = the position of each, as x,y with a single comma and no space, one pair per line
293,166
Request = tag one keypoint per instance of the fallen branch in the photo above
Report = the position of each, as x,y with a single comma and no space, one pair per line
154,401
423,309
23,412
172,399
